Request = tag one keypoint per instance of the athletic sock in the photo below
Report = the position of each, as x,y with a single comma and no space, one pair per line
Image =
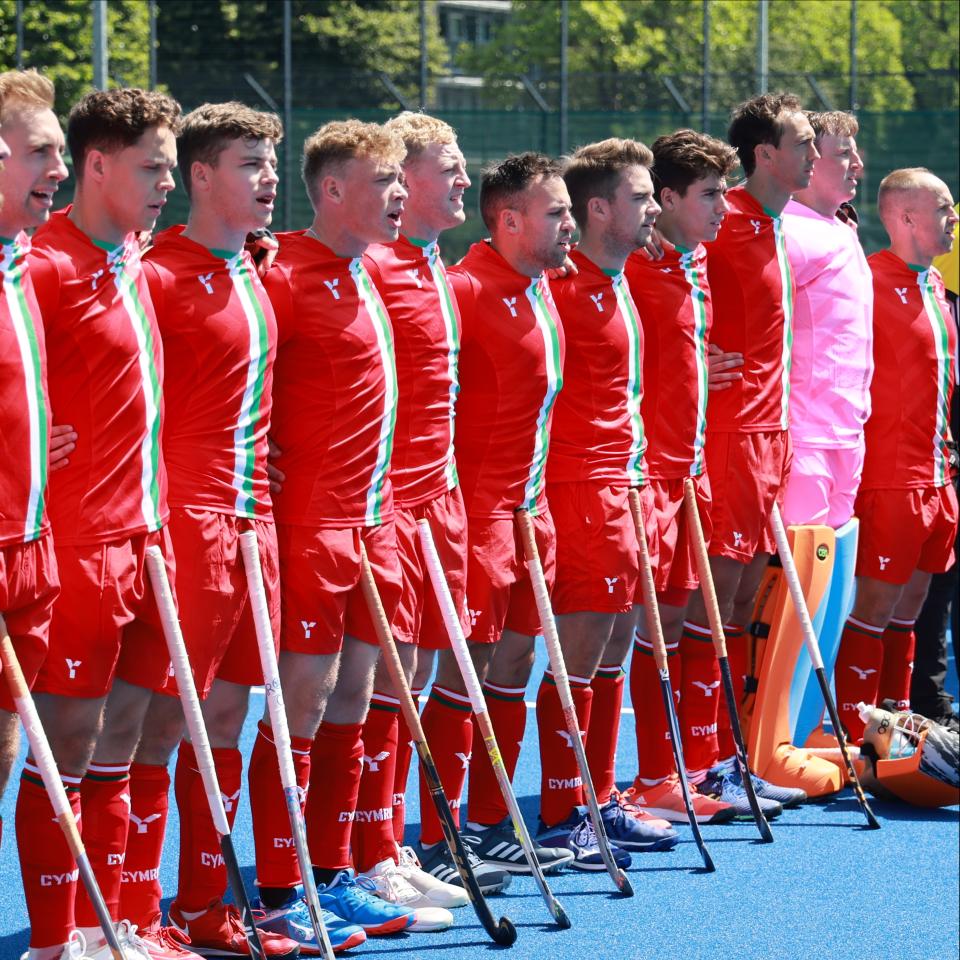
105,801
857,672
448,726
604,728
699,700
737,658
561,786
336,760
508,715
46,864
276,855
899,643
654,749
402,772
373,828
203,875
140,890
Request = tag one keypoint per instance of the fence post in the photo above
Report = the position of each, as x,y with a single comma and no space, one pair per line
19,34
152,16
853,55
705,90
288,148
100,42
763,71
564,69
423,54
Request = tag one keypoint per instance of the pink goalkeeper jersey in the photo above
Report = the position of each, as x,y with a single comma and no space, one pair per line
832,330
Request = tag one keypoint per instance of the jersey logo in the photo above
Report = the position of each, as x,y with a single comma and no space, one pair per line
307,625
228,802
597,301
862,674
756,227
205,279
884,561
610,581
374,762
737,538
707,688
664,269
417,279
901,292
464,759
95,278
72,667
511,303
567,739
143,824
474,614
332,285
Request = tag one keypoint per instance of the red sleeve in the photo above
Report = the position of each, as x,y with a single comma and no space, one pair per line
45,274
154,279
462,286
277,284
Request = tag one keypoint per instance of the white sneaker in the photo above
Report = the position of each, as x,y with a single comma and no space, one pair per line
74,949
391,885
436,891
134,947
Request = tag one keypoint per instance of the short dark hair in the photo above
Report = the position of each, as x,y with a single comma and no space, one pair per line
759,120
206,131
686,156
503,183
111,120
594,171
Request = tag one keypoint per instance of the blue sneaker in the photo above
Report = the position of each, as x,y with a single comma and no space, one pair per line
724,783
577,836
631,828
786,796
292,920
354,899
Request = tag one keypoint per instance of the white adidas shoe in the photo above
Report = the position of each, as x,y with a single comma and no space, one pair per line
134,947
74,949
436,891
392,886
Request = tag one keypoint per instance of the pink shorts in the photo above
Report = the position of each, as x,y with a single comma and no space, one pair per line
823,485
212,600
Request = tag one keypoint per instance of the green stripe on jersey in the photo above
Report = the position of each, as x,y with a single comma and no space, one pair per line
453,348
12,267
786,295
941,344
251,405
381,325
117,261
698,299
551,349
628,310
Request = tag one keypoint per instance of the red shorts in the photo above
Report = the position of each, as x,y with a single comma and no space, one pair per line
906,530
748,473
597,561
28,586
418,618
499,593
321,598
212,601
675,574
104,589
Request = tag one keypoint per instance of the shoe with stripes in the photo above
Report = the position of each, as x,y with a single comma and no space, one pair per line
576,837
438,863
787,797
499,845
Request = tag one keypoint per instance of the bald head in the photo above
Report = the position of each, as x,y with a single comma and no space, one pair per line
901,188
916,209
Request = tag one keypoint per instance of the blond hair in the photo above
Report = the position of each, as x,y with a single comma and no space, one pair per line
342,140
419,130
834,123
895,186
27,88
594,170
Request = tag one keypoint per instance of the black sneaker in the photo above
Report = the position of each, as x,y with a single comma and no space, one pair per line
438,862
499,845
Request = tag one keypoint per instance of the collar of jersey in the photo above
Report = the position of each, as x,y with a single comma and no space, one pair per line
418,242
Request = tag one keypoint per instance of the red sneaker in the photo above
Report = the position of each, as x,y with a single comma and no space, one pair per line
665,800
637,812
219,931
166,943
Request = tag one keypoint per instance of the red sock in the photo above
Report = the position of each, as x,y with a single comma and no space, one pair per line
203,876
448,727
899,642
140,890
373,829
604,729
46,864
857,672
272,838
654,749
561,787
336,760
402,772
699,700
105,801
508,714
737,658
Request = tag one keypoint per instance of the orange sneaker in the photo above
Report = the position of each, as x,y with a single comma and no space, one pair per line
219,931
665,800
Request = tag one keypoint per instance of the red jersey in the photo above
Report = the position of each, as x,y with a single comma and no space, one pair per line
24,410
914,355
753,291
598,433
105,377
335,393
511,365
673,296
412,281
219,340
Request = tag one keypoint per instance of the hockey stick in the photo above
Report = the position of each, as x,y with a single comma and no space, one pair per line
709,591
43,756
548,625
655,631
472,682
157,571
503,932
813,649
281,732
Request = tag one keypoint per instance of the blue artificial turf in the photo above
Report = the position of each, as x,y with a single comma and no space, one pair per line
826,888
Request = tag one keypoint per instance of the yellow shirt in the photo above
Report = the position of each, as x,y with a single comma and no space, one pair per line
949,263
